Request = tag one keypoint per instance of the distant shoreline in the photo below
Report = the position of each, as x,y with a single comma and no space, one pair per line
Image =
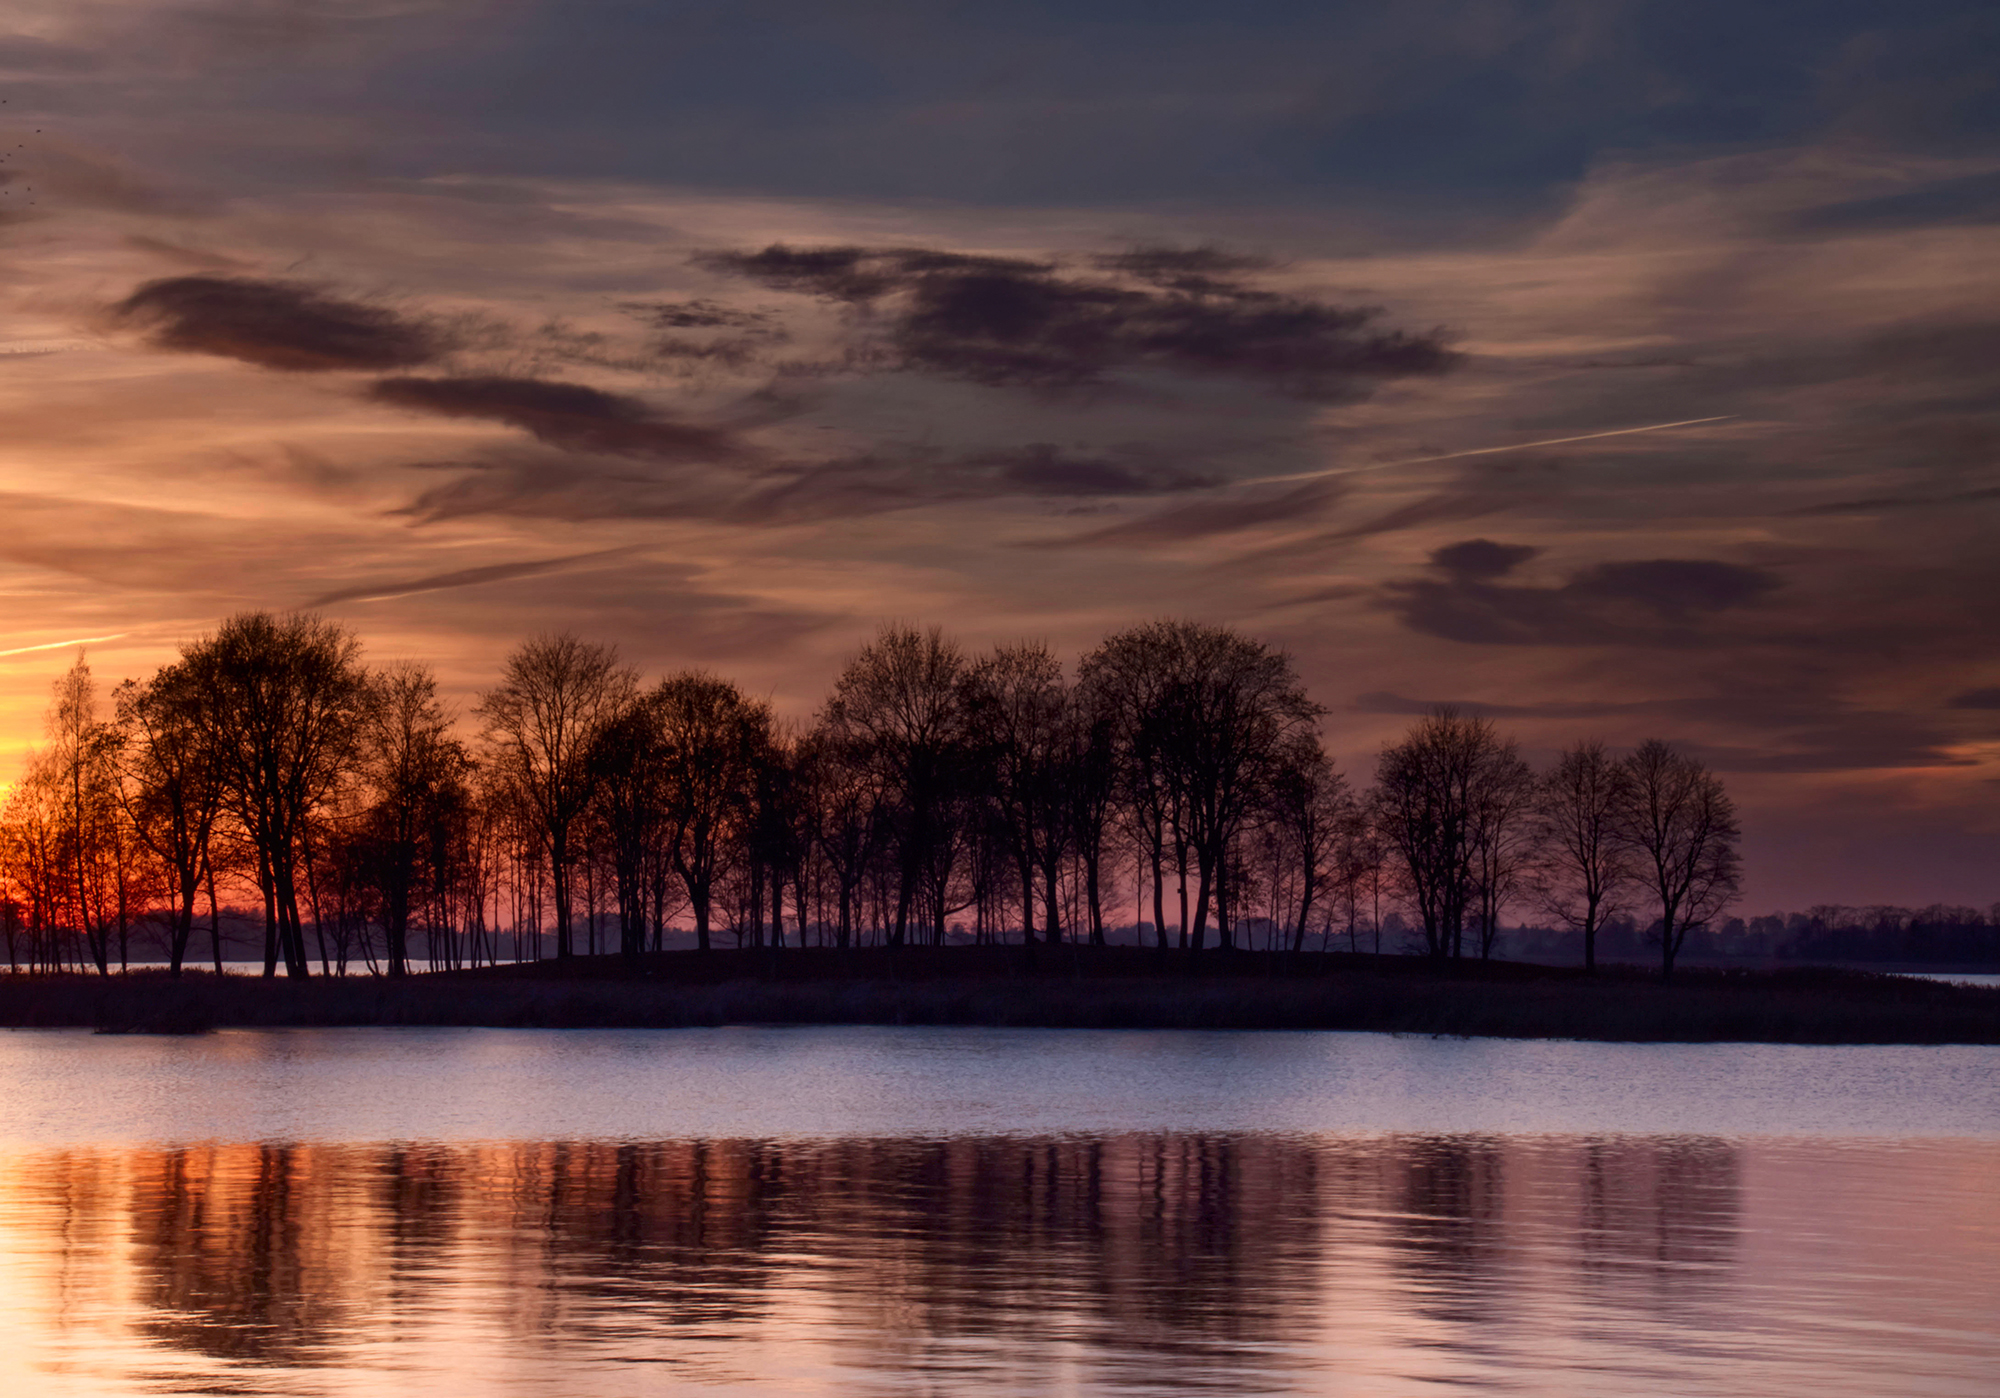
1049,987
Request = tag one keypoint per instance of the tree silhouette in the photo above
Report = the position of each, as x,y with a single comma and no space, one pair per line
417,793
285,701
1682,825
1581,829
556,693
902,708
1437,792
173,786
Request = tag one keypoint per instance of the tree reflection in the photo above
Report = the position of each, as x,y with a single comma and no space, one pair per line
239,1254
1448,1224
1659,1212
1151,1260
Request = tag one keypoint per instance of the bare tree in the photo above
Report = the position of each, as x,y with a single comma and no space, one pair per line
172,786
1436,793
555,694
1124,684
418,793
1585,867
1207,716
1092,774
82,759
1503,837
627,760
1311,813
286,698
849,821
1361,857
1682,826
708,734
901,706
1022,711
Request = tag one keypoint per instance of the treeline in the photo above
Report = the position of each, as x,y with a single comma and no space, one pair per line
1941,933
1000,796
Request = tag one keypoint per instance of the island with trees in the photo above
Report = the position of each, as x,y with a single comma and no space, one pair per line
1154,836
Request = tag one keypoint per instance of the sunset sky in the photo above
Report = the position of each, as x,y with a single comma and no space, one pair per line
1613,369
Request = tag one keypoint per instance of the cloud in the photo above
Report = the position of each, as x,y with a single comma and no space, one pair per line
462,577
1791,727
585,483
1988,698
1969,199
563,415
1043,469
277,325
1482,558
708,333
1203,519
1674,587
1879,504
1386,701
1195,271
1010,322
1652,602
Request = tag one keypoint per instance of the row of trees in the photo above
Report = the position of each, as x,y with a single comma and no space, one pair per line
933,789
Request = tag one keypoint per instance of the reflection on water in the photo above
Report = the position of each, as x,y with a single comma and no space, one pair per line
1130,1262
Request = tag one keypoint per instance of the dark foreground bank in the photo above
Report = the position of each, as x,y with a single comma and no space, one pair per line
1049,987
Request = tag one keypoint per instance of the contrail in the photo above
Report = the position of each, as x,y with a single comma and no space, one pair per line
58,645
1482,451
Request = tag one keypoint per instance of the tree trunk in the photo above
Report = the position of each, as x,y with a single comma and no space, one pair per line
701,913
1052,919
1026,869
1200,925
1159,898
1094,895
559,879
270,915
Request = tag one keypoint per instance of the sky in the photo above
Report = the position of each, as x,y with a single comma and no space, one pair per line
1612,369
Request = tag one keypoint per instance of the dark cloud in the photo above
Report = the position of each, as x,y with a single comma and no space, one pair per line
858,274
1489,488
1973,199
1043,469
1800,727
278,325
878,482
1482,558
585,484
462,577
1652,602
526,482
693,315
1384,701
1195,271
1976,699
1012,321
706,332
563,415
1879,504
1674,587
1858,746
1205,518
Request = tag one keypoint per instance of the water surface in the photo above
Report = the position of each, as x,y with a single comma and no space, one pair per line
988,1212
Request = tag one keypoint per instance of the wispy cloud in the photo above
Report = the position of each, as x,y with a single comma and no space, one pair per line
385,589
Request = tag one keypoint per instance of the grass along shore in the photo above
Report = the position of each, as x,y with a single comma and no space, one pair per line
1053,987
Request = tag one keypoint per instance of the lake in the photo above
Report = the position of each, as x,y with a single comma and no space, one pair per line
992,1212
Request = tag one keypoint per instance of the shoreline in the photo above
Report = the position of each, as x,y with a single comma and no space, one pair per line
1048,987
